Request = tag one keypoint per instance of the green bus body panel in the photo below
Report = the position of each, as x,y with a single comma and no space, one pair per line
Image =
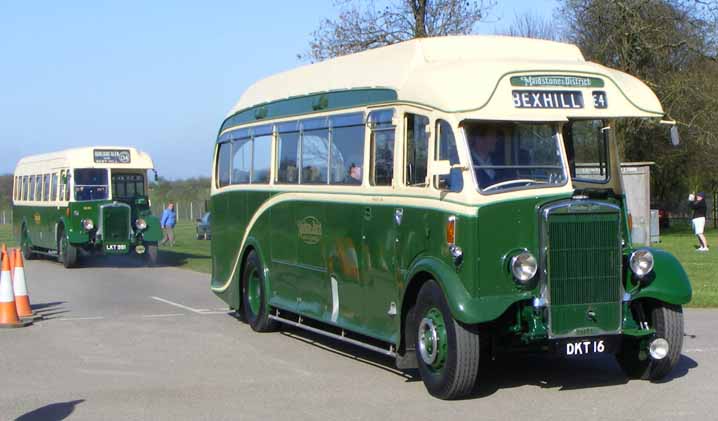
310,246
153,233
464,306
671,283
43,234
307,104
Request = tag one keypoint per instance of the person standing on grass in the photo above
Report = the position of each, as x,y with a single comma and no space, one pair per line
168,222
698,204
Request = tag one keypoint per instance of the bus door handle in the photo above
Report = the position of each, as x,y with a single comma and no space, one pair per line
367,213
398,215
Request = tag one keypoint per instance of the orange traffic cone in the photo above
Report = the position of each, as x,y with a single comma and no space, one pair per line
8,311
19,284
3,250
11,256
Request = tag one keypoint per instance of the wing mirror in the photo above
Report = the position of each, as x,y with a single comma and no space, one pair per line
675,136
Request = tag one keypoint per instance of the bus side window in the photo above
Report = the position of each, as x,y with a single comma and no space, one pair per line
53,188
288,152
382,147
241,160
46,188
31,195
315,151
417,150
262,137
68,181
446,151
38,188
62,185
223,164
25,189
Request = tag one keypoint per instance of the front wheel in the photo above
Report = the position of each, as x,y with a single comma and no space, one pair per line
667,320
27,252
66,252
254,296
447,351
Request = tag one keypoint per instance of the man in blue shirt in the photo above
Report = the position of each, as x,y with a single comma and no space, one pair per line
168,222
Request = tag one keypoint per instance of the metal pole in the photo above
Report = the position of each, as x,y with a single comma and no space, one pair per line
191,211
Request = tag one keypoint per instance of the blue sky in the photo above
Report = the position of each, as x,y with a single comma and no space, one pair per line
159,75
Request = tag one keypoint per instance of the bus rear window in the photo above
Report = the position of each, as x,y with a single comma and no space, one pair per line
90,184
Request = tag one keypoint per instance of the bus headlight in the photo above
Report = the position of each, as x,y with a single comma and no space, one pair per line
641,262
524,267
87,224
141,224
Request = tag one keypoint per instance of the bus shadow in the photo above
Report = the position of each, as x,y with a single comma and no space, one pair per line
564,374
349,351
164,259
507,371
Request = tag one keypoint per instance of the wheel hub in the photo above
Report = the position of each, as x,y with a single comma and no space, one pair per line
432,339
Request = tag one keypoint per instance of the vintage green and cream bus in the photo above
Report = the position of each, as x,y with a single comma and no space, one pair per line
91,200
440,201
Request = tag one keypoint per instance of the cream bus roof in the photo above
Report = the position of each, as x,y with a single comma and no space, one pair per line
455,74
84,157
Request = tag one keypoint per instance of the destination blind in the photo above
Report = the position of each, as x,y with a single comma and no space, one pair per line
548,99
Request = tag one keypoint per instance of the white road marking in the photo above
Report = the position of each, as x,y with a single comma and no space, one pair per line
182,306
150,316
701,350
69,319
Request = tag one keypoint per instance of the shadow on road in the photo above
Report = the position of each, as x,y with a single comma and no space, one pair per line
53,412
166,258
506,371
49,310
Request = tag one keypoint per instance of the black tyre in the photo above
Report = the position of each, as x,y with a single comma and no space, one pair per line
667,320
254,296
152,254
66,252
27,252
448,352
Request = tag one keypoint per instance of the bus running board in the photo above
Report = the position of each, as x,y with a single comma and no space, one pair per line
388,352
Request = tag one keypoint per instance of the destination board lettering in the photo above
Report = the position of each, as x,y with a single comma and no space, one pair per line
556,81
112,156
548,99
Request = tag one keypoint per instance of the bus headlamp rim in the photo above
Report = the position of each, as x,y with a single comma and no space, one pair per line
88,224
641,262
524,267
141,224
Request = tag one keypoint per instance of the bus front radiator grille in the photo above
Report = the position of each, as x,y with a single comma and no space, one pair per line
116,223
584,273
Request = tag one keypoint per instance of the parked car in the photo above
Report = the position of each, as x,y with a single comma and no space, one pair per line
203,230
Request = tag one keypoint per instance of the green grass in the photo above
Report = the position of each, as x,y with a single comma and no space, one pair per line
188,252
6,235
702,268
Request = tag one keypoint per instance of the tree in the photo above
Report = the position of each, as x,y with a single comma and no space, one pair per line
670,45
361,25
529,25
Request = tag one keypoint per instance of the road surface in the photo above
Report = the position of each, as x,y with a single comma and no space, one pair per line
121,341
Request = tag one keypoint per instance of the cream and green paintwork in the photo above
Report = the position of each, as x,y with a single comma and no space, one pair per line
39,225
309,237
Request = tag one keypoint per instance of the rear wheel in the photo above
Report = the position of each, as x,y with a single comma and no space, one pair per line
66,252
447,351
27,252
254,296
667,320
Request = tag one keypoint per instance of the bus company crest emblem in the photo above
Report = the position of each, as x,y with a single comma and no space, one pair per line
310,230
37,218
